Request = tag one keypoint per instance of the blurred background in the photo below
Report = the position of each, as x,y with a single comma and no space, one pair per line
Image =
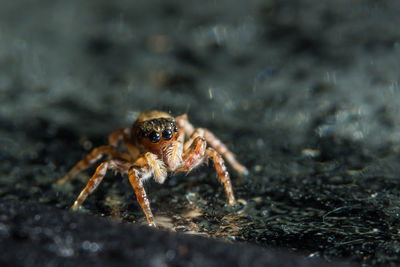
305,92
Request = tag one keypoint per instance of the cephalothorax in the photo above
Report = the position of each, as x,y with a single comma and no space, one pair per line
155,146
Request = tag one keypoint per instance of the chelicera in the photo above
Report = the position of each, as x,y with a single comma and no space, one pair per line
156,146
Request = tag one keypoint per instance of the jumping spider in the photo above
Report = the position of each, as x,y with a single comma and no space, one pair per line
155,145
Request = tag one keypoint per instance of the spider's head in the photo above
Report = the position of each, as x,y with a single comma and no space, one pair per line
155,130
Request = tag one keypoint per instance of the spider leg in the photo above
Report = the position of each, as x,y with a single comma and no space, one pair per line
136,175
124,134
145,167
132,149
172,154
91,158
117,165
116,136
183,123
223,174
194,155
222,149
211,139
197,153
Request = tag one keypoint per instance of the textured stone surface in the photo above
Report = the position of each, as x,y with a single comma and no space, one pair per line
35,235
305,92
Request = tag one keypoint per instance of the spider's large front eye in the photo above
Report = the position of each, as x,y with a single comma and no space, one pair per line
154,137
167,134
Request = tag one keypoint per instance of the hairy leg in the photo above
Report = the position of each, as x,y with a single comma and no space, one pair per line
116,136
136,177
194,155
143,168
173,154
116,165
91,158
212,140
197,153
224,151
183,123
124,134
222,173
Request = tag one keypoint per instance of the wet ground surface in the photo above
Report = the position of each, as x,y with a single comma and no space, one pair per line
36,235
304,92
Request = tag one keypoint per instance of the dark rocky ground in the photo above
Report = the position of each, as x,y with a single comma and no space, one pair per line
306,93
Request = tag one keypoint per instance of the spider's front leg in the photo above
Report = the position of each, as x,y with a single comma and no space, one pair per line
91,158
143,169
197,153
223,174
212,140
123,134
116,165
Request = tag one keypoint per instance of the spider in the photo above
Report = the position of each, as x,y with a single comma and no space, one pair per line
155,146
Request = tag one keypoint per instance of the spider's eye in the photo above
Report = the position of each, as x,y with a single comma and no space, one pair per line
167,134
154,137
175,128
